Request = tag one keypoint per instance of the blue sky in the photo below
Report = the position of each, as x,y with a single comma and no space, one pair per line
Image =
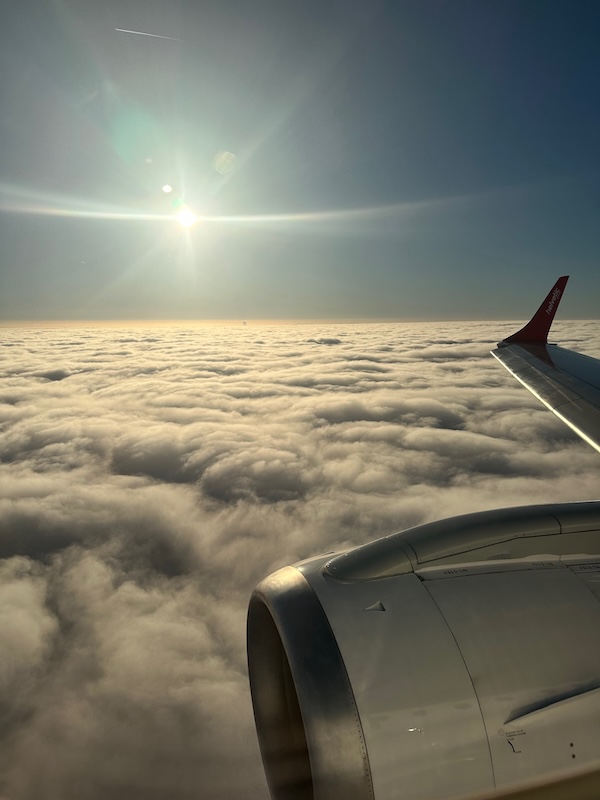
411,160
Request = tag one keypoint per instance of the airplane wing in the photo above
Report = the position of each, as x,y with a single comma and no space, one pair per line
568,383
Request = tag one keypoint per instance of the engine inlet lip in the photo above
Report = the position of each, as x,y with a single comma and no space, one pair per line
302,696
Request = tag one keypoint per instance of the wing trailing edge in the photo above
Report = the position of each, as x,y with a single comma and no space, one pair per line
566,382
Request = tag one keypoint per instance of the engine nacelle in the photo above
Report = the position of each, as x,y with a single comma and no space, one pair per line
451,658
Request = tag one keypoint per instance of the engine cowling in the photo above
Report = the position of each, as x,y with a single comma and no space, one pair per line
452,658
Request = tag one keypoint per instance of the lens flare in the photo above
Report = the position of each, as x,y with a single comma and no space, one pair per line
223,162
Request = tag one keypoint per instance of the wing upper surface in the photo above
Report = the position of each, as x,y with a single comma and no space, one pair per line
568,383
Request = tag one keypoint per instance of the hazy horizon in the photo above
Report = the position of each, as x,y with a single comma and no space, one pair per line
166,323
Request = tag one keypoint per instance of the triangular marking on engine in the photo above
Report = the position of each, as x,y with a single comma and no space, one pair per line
378,606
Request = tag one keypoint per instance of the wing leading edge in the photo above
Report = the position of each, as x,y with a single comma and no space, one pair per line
566,382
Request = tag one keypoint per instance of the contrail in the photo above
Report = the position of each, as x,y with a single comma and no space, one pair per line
153,35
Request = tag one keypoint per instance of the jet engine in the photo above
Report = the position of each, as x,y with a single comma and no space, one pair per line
455,657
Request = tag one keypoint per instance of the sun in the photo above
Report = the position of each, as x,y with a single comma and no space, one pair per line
186,218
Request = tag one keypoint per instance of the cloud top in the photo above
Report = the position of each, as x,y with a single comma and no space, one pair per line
150,478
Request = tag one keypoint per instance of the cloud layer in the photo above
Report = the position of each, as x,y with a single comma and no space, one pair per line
150,477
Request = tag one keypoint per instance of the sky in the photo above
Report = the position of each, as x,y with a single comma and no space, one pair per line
420,159
151,476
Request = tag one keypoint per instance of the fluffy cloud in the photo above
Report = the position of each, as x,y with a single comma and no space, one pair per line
150,477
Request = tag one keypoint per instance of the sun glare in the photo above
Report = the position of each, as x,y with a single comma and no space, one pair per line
187,218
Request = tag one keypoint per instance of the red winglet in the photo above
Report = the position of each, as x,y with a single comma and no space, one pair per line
536,330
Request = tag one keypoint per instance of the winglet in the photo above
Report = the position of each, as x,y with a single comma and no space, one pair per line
536,330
